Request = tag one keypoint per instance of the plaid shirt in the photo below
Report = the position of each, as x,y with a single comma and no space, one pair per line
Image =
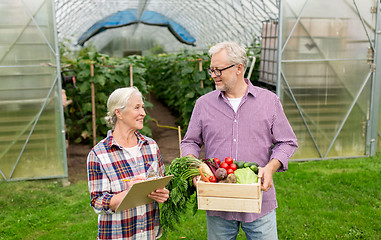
107,164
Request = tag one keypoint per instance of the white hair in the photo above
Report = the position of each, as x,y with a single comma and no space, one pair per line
118,99
236,53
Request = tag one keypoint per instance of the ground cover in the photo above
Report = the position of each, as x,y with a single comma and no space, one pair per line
331,199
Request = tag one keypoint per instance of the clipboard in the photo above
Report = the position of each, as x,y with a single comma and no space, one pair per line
138,193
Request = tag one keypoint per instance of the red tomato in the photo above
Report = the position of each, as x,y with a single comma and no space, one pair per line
229,171
225,165
217,160
233,166
229,160
212,179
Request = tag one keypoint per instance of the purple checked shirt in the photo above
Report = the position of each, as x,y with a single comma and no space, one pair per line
258,132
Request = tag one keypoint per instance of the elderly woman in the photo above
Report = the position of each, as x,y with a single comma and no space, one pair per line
125,154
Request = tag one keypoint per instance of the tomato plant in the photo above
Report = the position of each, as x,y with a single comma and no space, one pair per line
108,74
176,80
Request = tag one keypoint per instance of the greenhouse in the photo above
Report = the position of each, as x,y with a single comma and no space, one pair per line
320,57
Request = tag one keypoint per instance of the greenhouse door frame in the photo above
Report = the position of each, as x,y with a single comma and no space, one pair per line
56,82
375,101
374,77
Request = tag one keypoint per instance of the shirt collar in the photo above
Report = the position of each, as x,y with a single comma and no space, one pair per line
250,90
111,141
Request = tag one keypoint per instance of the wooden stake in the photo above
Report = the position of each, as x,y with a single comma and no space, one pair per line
251,68
92,69
93,105
131,77
179,132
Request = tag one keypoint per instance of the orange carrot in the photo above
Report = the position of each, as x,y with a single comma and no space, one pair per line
203,178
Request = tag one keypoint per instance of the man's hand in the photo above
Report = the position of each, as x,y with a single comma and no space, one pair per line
195,180
265,174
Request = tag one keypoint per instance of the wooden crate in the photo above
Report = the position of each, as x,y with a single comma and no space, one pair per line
229,197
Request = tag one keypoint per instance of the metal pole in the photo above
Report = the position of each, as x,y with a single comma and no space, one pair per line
61,132
279,67
373,129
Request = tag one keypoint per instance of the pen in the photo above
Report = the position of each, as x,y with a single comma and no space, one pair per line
125,180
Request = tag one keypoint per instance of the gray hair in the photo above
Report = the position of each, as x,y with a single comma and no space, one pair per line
118,100
236,53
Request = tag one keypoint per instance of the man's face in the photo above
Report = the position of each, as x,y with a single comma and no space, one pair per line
228,79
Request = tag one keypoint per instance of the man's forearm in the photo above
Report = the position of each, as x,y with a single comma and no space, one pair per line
274,165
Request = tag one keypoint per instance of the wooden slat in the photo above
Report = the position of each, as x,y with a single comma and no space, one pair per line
250,191
229,204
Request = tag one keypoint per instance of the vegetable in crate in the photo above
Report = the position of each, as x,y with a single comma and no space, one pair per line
181,190
246,176
231,178
221,174
254,168
213,166
240,164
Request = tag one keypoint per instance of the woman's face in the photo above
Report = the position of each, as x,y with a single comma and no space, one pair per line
133,114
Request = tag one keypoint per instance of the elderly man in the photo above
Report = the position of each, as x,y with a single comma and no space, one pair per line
246,123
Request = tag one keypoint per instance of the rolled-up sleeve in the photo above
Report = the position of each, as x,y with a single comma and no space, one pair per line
192,142
99,185
284,139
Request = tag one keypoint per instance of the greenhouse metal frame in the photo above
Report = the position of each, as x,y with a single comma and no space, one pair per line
348,92
31,114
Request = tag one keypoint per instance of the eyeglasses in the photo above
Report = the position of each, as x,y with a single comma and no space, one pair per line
218,72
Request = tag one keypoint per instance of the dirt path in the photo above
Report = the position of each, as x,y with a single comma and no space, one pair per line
166,138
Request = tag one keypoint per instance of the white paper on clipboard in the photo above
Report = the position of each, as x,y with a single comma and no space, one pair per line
138,194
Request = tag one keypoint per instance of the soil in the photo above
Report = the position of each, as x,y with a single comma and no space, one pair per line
166,138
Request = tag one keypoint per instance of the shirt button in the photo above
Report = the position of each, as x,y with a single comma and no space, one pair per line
235,120
234,140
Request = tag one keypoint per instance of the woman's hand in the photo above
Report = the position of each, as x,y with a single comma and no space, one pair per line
159,195
135,180
117,198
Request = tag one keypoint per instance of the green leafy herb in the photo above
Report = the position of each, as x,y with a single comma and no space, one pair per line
181,190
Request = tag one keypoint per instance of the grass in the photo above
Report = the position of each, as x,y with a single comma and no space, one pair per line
331,199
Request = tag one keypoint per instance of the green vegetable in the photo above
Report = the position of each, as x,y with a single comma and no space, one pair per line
245,176
247,164
181,190
254,168
240,164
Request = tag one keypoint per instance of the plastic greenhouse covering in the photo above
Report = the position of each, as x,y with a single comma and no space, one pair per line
207,21
31,129
320,56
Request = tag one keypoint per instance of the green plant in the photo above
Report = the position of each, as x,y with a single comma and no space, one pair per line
107,74
177,80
